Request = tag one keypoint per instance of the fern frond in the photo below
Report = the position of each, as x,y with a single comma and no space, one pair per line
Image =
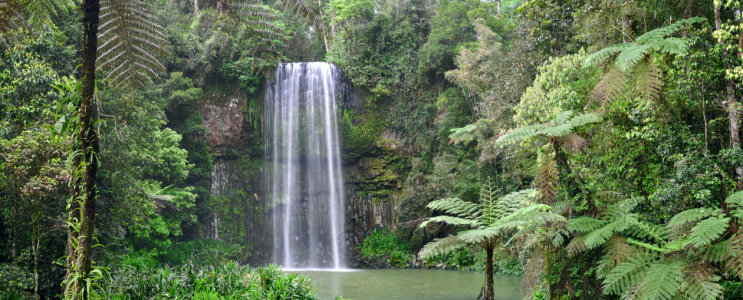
557,131
562,117
463,135
708,230
585,224
631,56
660,33
451,221
715,252
648,246
599,236
532,273
649,80
735,202
519,134
456,207
18,16
700,282
129,44
645,230
616,252
628,274
573,142
692,215
441,246
603,54
547,177
477,235
662,282
576,245
734,255
609,87
298,7
583,119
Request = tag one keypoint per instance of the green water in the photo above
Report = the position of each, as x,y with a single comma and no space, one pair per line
408,284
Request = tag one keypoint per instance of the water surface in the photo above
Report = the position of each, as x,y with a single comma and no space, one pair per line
408,284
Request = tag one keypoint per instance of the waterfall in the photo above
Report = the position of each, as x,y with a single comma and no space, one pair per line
305,182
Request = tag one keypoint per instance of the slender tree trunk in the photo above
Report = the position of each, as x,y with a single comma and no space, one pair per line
15,226
489,247
89,146
35,249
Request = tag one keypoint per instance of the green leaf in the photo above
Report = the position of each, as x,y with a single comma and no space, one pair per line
708,230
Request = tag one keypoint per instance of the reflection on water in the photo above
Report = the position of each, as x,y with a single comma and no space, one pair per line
408,284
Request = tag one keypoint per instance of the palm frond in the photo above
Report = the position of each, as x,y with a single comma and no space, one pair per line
129,44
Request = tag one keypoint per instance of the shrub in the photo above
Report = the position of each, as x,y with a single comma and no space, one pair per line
14,282
383,243
226,281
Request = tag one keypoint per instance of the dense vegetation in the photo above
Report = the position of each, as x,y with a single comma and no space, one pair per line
590,146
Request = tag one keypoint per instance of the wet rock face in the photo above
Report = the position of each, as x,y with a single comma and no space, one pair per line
223,122
372,189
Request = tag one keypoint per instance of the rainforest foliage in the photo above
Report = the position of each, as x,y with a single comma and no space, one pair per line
590,146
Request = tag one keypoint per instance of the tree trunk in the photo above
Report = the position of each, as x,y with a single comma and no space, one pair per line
731,104
35,249
89,147
489,293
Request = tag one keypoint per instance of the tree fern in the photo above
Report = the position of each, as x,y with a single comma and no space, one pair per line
734,255
649,80
609,87
630,57
561,130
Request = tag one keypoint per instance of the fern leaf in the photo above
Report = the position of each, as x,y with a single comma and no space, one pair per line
519,134
649,81
734,255
627,274
616,252
631,56
708,230
603,54
563,117
599,236
128,42
573,142
585,224
735,202
451,221
556,131
609,87
715,252
547,177
440,246
584,119
576,245
648,246
477,235
657,34
690,216
463,135
700,282
662,281
672,45
456,207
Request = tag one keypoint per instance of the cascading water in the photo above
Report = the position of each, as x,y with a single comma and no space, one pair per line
304,179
